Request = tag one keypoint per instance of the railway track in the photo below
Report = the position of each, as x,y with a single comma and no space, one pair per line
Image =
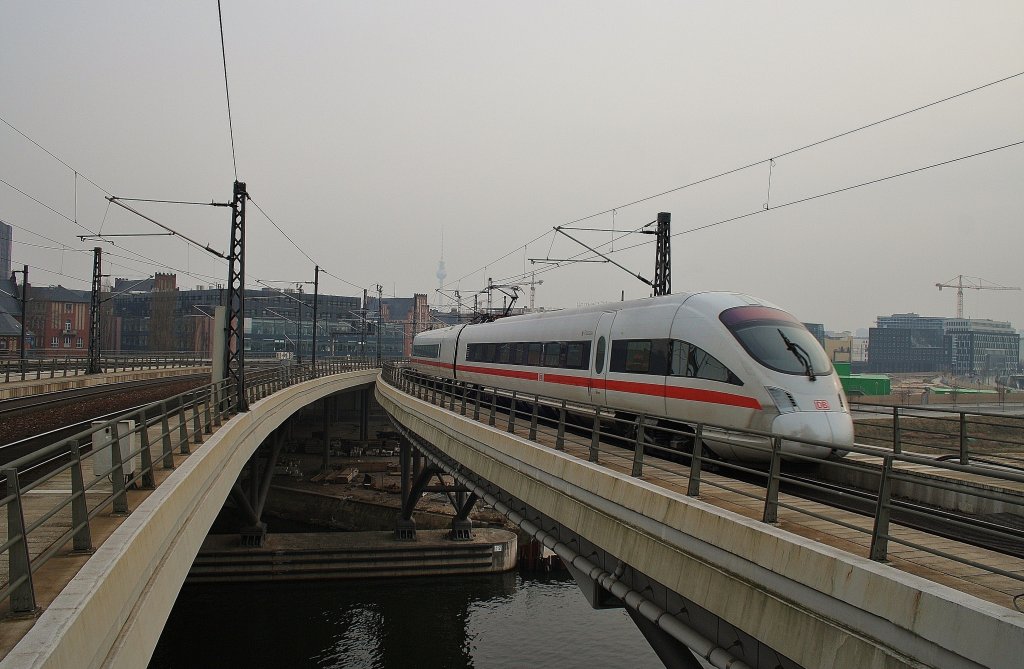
16,405
28,424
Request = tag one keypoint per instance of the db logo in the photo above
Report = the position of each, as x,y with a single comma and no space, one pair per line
821,405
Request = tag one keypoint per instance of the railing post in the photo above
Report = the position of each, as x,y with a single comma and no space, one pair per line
19,564
451,395
462,395
165,429
433,392
638,448
560,436
215,399
897,445
533,418
182,428
595,437
512,414
491,418
207,419
693,488
148,480
117,471
476,402
79,506
771,497
197,429
964,448
880,533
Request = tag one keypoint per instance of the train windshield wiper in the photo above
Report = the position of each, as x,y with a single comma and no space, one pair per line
800,353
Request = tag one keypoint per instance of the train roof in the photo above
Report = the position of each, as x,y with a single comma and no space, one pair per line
724,299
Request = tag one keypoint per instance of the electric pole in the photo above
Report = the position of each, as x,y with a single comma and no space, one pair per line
663,256
94,312
234,349
298,329
380,319
24,315
362,330
316,294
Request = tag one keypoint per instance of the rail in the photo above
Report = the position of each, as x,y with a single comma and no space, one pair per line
32,368
120,453
657,442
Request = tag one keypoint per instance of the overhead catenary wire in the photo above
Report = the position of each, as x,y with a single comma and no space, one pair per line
299,248
790,203
227,92
52,155
46,206
762,161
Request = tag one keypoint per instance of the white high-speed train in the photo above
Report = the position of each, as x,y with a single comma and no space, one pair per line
722,358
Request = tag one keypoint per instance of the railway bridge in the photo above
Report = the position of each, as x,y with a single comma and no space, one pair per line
704,565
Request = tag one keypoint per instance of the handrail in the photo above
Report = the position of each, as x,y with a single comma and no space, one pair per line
652,439
35,368
120,452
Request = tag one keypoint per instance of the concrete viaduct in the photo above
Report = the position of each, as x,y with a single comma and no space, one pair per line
738,592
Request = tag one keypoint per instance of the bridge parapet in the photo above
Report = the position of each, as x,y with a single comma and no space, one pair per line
116,606
812,604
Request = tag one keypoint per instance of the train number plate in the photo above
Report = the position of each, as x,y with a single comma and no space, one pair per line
821,405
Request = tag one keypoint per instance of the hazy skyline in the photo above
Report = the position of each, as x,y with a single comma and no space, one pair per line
364,128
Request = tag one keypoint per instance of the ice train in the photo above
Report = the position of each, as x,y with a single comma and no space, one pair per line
721,358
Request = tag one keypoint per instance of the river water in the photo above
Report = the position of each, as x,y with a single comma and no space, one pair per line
502,620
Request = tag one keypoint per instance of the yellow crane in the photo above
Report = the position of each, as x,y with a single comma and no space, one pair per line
972,282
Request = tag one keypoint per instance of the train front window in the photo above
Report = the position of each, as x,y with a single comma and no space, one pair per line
777,340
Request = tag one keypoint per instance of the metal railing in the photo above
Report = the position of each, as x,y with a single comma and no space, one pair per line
649,445
120,452
947,433
33,368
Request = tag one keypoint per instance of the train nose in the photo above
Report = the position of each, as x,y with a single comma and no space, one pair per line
827,427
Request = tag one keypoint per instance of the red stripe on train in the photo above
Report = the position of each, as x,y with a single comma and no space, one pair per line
494,371
633,387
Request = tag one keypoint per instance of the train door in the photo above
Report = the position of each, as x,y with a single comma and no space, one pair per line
602,352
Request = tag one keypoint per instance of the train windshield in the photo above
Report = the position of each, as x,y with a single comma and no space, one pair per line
777,340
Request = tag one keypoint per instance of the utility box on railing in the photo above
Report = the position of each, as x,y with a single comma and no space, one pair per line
101,451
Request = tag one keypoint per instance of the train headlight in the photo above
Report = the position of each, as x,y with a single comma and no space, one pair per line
784,401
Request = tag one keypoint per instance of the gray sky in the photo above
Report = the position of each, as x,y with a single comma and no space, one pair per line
363,128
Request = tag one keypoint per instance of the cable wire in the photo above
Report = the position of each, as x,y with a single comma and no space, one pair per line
227,93
791,203
51,154
760,162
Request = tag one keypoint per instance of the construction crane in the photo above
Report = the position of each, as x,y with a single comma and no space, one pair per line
974,283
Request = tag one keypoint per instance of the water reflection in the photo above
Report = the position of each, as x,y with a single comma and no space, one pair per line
458,622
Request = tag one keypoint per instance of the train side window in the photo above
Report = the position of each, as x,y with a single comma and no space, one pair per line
534,354
577,355
553,354
426,350
471,352
640,356
490,352
694,362
519,354
599,356
505,354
